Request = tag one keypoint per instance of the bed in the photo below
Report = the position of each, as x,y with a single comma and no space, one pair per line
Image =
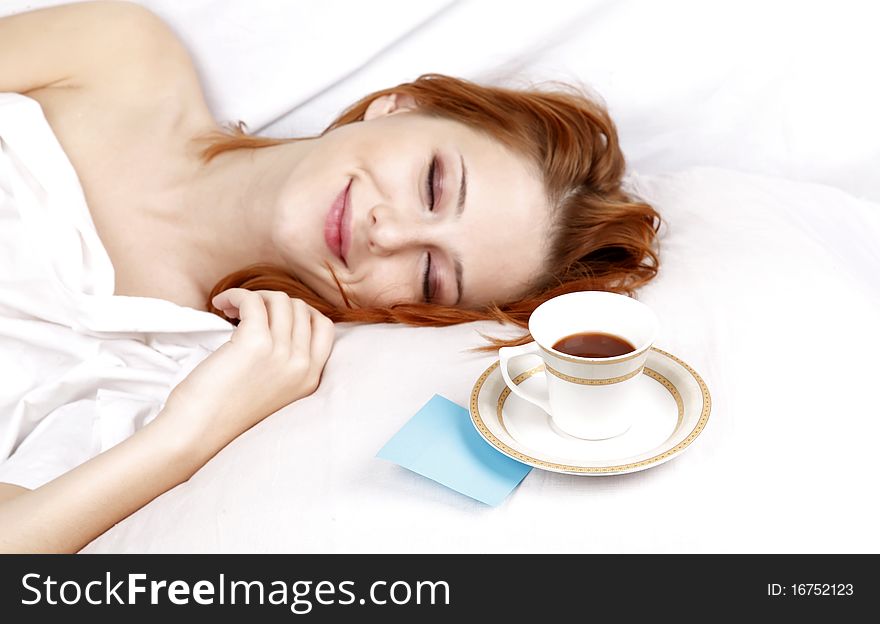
750,126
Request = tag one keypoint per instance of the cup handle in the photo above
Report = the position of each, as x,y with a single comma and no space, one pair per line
505,354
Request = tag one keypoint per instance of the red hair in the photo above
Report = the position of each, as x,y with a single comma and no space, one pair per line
602,239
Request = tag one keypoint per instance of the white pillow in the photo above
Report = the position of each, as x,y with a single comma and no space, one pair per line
781,88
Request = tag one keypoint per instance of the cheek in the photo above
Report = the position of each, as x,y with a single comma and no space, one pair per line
346,147
286,236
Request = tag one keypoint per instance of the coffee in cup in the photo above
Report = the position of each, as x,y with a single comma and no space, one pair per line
593,344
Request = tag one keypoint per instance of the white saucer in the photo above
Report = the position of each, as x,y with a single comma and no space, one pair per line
676,409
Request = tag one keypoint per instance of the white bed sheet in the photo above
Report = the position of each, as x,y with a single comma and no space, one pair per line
769,287
81,369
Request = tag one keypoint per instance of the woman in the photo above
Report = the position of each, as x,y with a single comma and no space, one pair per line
431,203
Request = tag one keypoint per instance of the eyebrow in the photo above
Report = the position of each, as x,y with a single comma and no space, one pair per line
459,208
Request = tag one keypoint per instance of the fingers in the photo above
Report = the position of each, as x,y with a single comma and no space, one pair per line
251,310
271,309
288,321
323,333
281,316
302,328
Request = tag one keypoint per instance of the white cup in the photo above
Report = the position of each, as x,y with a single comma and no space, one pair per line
589,397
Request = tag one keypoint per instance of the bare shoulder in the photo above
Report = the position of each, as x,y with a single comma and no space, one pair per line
122,60
140,53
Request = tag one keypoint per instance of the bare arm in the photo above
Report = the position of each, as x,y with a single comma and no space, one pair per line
65,514
275,356
110,47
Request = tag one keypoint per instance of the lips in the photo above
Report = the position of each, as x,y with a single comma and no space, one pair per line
337,225
345,225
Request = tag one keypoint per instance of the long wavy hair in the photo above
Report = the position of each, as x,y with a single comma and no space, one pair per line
601,239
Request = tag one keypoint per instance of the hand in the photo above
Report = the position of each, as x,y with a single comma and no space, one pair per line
274,357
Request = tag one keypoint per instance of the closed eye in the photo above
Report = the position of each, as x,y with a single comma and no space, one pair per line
430,183
426,282
428,293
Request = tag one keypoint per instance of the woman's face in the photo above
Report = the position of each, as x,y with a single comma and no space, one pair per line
477,228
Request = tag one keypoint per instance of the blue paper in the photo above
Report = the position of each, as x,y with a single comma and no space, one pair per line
440,443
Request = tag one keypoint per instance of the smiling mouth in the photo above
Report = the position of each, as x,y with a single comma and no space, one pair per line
335,225
341,228
344,230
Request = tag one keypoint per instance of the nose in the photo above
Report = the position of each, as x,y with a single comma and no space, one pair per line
389,231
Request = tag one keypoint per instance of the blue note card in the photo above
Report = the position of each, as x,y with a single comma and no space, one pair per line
440,443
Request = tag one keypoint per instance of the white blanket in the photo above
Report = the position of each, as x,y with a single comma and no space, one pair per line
82,369
769,287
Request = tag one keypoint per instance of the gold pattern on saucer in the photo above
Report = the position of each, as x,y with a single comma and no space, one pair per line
593,382
650,372
591,361
517,381
679,403
698,428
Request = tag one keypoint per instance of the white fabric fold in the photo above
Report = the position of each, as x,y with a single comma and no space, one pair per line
82,368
